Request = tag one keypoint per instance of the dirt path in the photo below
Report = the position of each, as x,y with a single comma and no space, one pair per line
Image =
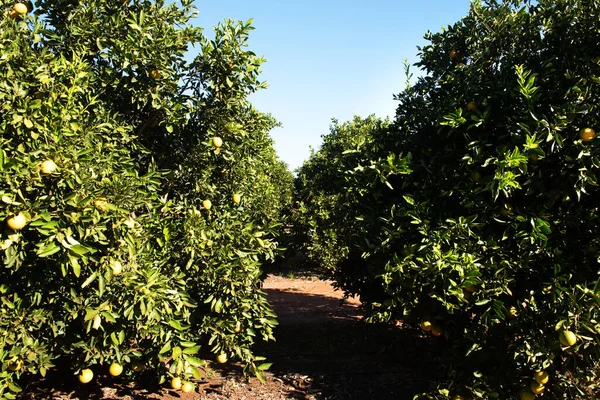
323,351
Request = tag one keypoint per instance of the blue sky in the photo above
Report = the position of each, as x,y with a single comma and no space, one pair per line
330,58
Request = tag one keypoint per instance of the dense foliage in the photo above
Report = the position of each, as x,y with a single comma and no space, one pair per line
140,192
475,212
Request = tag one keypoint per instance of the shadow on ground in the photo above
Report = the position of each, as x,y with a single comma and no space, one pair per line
324,351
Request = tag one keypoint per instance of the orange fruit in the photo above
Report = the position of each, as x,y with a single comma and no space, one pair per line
20,8
48,167
426,326
567,338
117,268
217,142
222,358
453,54
541,377
237,198
207,204
472,106
17,222
536,387
436,330
154,74
176,383
115,369
587,134
15,364
86,376
187,387
526,395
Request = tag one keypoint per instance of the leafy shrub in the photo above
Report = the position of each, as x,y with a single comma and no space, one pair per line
487,229
111,252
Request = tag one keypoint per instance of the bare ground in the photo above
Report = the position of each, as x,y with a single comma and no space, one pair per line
323,351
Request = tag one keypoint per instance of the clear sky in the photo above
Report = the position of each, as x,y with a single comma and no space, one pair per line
330,58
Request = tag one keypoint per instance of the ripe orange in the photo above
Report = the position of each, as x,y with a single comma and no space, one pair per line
48,167
222,358
117,268
217,142
187,387
567,338
471,106
115,369
587,134
154,74
207,204
237,198
536,387
453,54
426,326
17,222
20,8
541,377
86,376
176,383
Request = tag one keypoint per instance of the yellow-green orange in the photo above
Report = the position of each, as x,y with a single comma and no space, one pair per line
567,338
436,330
48,167
536,387
222,358
17,222
207,204
15,364
237,198
217,142
187,387
526,395
176,383
20,8
541,377
426,326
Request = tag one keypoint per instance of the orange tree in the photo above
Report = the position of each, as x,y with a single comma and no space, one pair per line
111,250
488,233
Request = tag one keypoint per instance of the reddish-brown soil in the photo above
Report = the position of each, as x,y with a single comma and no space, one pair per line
323,351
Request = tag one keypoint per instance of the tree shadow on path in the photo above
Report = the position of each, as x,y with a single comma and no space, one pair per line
325,351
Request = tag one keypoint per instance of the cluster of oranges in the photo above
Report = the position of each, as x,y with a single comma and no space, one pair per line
537,385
